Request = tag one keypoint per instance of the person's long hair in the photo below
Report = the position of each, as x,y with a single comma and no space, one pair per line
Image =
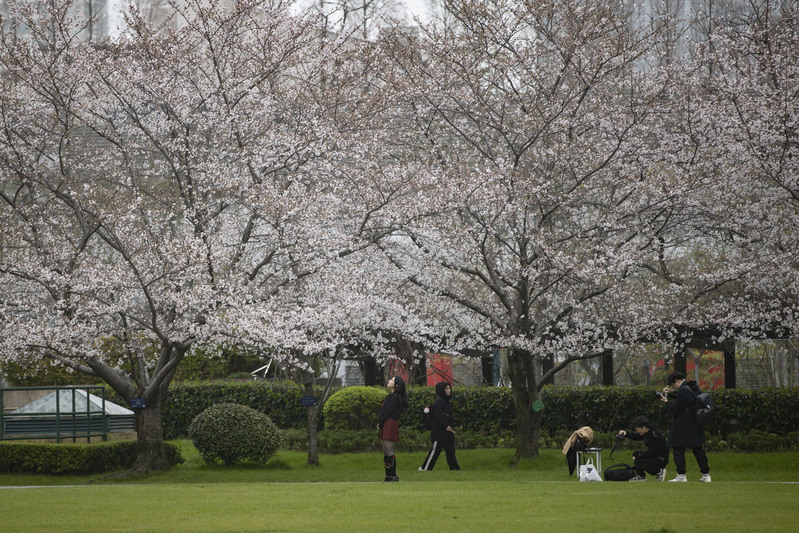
401,389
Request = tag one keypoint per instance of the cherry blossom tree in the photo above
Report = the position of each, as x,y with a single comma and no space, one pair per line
733,149
538,129
753,106
582,195
159,189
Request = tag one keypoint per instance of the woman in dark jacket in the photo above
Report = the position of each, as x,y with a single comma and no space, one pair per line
393,406
441,433
685,432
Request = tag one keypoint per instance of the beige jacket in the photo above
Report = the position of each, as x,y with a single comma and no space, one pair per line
585,434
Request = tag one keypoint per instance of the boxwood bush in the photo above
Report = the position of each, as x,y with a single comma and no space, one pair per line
234,433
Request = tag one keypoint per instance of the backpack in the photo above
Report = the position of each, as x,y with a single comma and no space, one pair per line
703,409
619,472
427,417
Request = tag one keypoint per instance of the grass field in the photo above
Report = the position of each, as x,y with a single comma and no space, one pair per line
750,492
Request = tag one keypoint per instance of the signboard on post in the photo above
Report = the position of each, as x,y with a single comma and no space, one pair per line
309,401
138,403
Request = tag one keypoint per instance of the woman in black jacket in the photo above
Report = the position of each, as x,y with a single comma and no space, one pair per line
441,433
685,432
392,407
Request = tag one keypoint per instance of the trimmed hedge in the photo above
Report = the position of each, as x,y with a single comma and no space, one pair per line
184,401
481,409
413,440
608,409
40,458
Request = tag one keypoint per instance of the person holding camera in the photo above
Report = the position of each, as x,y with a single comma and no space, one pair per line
654,459
442,435
685,432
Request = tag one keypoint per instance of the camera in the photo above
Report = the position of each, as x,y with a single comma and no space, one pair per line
671,394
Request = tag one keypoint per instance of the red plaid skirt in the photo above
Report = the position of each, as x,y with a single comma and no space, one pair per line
389,431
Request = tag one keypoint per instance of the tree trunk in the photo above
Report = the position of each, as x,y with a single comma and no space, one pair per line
313,416
525,392
150,435
369,366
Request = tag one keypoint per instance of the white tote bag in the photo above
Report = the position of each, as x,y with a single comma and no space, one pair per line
588,471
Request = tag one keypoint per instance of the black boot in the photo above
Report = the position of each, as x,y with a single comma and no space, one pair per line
391,468
387,465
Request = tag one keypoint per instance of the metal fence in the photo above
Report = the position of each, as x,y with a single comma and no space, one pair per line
60,421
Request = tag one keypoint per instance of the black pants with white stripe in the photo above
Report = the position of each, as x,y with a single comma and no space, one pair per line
435,451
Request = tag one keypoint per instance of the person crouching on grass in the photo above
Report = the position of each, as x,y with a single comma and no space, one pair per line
394,404
654,459
441,433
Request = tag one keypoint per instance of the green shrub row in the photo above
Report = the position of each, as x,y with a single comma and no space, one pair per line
490,409
185,400
607,409
413,440
279,401
39,458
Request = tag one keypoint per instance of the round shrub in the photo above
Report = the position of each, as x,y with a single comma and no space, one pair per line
354,408
234,433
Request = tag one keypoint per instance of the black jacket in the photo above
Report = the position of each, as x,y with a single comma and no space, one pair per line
654,441
442,415
391,408
685,432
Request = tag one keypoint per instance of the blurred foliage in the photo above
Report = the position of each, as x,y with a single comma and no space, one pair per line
200,364
218,363
31,371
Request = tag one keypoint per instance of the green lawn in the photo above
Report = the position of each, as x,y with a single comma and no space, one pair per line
750,492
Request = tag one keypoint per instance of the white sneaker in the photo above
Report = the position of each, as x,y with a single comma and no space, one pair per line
679,479
638,478
705,478
661,475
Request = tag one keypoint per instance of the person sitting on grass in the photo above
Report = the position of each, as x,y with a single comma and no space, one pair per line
654,459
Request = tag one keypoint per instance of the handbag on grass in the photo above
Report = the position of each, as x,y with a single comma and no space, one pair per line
588,472
619,472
